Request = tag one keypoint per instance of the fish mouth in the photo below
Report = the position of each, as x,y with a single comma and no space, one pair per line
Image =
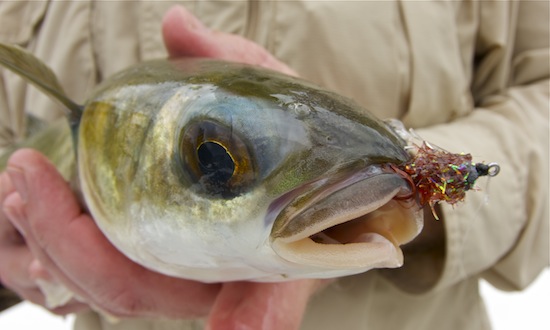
354,222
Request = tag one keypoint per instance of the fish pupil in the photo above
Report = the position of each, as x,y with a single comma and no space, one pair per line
215,162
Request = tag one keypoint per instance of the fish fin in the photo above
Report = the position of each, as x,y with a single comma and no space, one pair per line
39,74
54,141
34,125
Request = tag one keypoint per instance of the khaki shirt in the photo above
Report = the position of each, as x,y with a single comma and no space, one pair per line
469,76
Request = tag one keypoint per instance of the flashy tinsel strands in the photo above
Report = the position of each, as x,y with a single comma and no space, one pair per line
439,175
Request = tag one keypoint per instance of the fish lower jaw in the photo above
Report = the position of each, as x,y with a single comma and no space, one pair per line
353,256
365,242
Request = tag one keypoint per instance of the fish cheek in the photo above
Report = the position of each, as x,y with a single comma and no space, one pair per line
109,143
297,169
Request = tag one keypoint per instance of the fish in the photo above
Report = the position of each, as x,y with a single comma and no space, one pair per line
217,171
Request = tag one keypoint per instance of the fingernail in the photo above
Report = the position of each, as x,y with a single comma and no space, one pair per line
17,177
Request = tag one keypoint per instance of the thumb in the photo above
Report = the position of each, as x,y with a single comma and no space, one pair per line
184,35
249,305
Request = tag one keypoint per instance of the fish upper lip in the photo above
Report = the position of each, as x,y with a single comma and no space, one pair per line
304,198
341,206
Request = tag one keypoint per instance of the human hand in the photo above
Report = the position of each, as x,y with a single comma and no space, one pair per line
19,270
62,244
186,36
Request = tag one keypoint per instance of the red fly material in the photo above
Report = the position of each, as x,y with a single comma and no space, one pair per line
442,176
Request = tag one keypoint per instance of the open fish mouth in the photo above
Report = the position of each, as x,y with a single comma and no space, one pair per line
354,222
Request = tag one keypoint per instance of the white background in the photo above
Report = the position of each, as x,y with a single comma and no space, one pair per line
529,309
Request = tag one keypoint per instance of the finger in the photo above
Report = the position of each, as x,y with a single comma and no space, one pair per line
42,225
6,187
80,256
19,269
15,257
16,209
184,35
249,305
14,264
37,295
23,278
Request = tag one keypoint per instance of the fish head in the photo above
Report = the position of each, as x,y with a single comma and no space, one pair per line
216,172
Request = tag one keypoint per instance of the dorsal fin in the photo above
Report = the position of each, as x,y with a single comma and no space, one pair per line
39,74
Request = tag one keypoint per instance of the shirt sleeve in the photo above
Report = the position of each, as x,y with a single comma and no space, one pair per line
501,231
20,20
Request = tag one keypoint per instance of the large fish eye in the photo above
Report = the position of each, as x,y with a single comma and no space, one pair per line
217,159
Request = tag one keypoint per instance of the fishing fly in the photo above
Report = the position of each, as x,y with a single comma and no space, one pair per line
437,174
442,176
